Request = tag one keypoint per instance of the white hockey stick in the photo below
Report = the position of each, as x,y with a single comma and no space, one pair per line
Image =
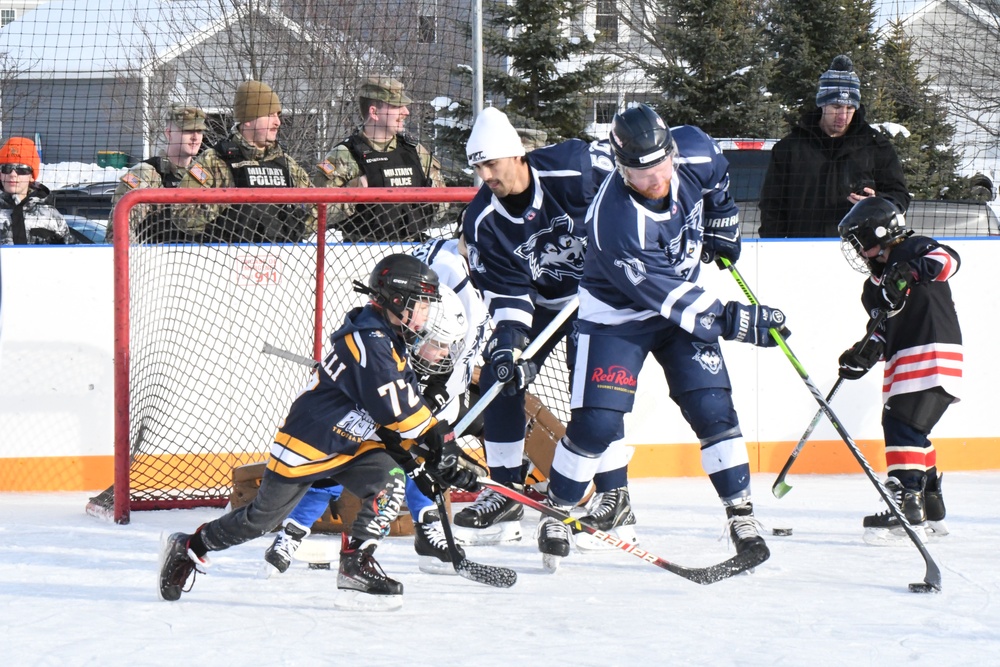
291,356
541,339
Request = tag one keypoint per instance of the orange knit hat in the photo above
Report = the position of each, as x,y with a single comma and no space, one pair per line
21,150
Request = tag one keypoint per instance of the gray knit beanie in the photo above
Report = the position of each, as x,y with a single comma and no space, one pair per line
839,84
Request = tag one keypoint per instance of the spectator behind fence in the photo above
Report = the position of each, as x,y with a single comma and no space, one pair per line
831,160
26,217
250,157
184,130
380,155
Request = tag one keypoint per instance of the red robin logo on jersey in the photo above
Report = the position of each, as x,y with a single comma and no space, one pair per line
618,377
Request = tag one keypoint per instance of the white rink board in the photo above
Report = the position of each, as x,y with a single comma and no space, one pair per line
56,365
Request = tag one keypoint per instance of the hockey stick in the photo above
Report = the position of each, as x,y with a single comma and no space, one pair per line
741,562
491,575
541,339
290,356
932,575
780,487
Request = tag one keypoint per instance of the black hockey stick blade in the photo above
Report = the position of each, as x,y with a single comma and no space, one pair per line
741,562
491,575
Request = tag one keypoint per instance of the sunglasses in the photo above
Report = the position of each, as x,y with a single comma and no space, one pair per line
19,169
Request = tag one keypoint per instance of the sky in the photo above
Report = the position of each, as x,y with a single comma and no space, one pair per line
76,590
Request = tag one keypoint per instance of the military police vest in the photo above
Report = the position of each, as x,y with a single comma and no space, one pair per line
257,223
398,168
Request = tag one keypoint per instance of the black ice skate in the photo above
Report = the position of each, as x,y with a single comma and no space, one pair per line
285,544
884,529
177,564
365,584
744,529
431,545
934,506
612,514
553,540
493,518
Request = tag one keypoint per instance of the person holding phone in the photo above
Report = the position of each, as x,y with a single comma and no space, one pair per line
830,161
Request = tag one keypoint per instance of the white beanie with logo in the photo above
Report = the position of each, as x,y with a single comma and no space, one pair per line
492,137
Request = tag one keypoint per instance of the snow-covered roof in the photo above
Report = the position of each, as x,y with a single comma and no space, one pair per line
92,38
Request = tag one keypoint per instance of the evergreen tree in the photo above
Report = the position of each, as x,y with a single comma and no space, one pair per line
532,38
903,98
714,68
806,35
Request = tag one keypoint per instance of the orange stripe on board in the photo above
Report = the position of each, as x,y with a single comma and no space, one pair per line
95,473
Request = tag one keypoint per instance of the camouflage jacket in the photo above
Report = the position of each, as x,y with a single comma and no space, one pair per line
142,175
43,224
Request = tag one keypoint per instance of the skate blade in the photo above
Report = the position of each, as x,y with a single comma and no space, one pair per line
266,571
346,600
936,529
431,565
892,537
551,562
505,531
588,543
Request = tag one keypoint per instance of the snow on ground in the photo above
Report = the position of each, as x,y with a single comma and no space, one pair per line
75,590
61,174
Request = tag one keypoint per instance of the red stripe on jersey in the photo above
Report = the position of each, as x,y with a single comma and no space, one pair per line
924,356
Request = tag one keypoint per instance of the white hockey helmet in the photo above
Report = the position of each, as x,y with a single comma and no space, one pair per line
443,339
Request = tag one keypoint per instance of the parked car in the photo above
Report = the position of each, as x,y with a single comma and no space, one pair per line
86,200
748,161
85,230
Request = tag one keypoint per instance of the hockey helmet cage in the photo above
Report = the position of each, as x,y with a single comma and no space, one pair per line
872,222
399,279
640,138
443,341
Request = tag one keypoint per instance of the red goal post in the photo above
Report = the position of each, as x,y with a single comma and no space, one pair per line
195,395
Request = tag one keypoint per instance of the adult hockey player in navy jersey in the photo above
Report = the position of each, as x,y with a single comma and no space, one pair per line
666,209
526,239
364,385
921,343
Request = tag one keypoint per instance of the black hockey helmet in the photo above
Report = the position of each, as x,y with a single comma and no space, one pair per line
873,221
398,280
640,138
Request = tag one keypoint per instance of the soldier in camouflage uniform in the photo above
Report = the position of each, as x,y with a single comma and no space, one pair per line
250,157
377,155
184,131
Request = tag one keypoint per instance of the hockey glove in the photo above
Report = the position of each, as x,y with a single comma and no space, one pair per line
502,351
896,281
751,324
445,462
436,392
858,360
423,480
720,242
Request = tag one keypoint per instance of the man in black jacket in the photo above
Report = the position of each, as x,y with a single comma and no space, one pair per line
830,161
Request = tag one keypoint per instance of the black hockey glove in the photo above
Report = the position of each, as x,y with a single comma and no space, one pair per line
896,281
858,360
502,351
724,242
436,392
751,324
445,462
423,480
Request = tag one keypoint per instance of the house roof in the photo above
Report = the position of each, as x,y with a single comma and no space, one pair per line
94,38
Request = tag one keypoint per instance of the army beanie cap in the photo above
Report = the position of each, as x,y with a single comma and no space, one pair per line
254,99
839,84
384,89
492,137
187,118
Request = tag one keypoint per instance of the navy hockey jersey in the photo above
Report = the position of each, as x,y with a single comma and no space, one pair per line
923,340
536,258
364,382
643,257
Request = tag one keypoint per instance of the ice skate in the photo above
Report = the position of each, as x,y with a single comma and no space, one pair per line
177,564
363,584
286,543
431,545
884,529
744,529
553,541
934,505
492,519
611,513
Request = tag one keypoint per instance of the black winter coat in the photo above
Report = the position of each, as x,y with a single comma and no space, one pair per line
811,175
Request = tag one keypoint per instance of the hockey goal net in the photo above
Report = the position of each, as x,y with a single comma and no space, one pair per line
195,394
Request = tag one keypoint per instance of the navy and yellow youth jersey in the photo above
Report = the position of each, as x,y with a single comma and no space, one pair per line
365,381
